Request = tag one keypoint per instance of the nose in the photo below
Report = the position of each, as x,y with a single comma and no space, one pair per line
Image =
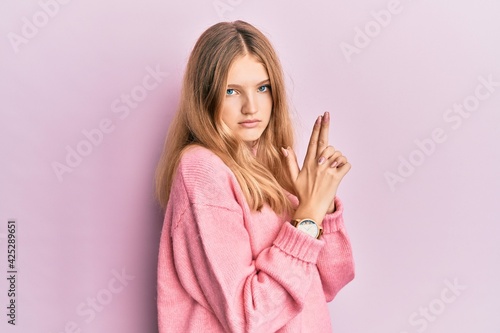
250,105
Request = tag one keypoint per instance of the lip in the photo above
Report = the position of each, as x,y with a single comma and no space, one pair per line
250,123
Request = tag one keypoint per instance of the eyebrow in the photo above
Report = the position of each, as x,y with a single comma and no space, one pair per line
258,84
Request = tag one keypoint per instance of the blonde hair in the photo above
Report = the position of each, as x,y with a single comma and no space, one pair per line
263,177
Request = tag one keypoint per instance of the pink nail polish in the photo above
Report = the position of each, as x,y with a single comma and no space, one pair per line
334,164
321,160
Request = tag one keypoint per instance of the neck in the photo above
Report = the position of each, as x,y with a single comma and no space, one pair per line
253,146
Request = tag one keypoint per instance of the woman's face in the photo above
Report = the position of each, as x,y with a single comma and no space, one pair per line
246,108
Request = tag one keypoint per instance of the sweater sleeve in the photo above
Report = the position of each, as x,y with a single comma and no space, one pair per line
213,258
335,262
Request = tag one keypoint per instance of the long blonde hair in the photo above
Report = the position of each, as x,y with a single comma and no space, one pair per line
263,176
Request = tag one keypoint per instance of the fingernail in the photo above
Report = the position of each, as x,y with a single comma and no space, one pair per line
334,164
327,116
318,120
284,151
321,160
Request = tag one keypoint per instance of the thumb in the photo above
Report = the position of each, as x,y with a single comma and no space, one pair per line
291,161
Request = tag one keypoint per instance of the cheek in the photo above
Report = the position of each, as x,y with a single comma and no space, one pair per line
265,102
267,106
228,113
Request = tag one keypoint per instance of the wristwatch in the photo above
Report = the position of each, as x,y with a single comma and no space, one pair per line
308,226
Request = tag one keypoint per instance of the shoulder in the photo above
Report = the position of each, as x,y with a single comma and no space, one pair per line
205,177
194,153
201,161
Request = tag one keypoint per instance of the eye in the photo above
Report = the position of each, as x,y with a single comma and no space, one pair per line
230,92
264,88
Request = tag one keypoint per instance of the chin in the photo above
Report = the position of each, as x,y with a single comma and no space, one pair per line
250,136
251,140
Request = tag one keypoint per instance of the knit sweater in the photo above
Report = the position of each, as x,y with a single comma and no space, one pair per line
223,267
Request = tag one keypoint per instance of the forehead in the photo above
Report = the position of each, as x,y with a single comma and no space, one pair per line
247,71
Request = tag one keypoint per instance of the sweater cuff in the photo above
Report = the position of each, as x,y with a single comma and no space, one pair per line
298,244
333,222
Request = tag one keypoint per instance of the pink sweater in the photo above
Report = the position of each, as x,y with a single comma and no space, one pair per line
225,268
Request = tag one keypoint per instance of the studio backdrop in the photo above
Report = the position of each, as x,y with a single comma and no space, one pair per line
88,90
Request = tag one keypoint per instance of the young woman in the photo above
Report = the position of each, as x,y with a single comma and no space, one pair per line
250,242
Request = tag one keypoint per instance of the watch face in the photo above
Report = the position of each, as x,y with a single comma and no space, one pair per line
309,227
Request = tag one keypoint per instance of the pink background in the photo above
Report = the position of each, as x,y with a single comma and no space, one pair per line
437,224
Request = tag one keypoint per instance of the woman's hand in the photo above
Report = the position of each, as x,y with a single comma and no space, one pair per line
324,167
